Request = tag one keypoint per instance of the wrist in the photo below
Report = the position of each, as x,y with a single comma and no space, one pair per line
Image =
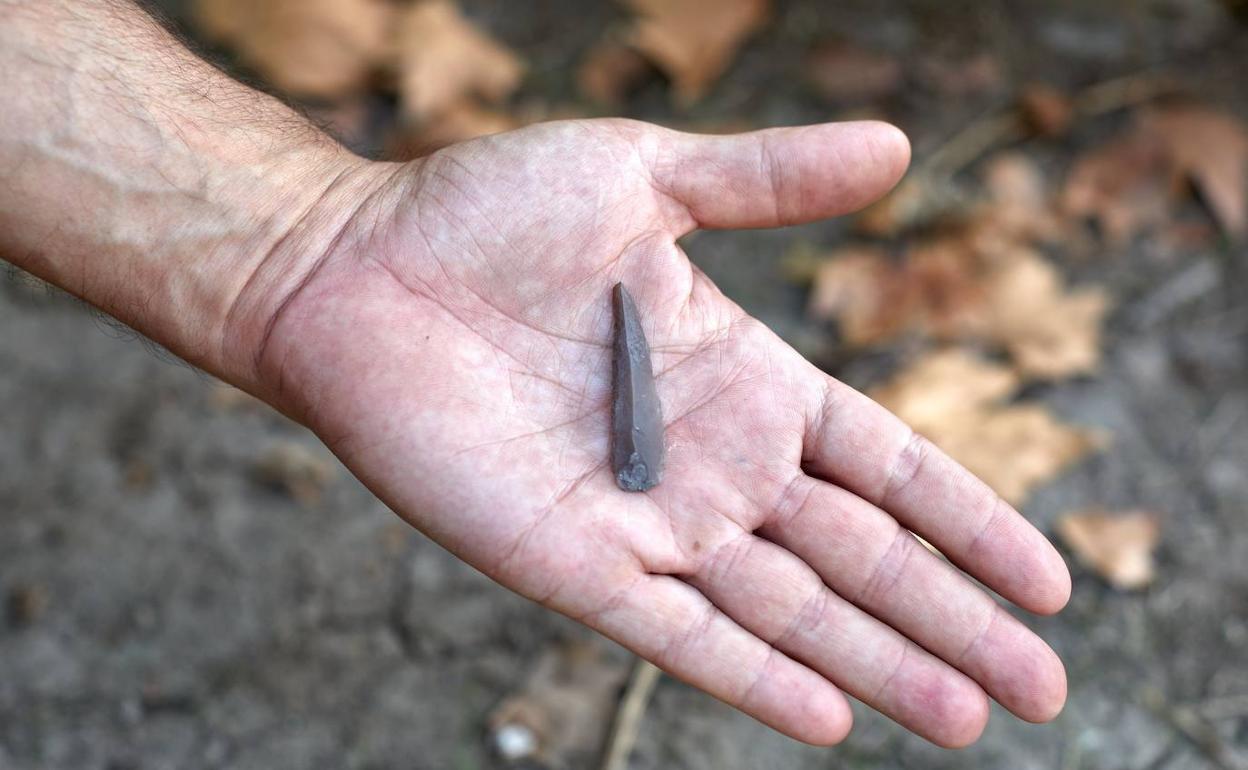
313,221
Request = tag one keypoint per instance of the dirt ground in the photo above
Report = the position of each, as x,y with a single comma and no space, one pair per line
166,608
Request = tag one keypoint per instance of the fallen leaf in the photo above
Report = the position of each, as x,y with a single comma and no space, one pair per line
845,72
561,715
609,71
693,41
308,48
867,294
958,402
1120,185
1210,150
946,291
443,58
918,200
1018,209
458,123
297,470
1049,331
946,387
1119,546
1014,449
1047,110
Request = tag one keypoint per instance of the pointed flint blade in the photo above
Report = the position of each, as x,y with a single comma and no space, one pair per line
636,419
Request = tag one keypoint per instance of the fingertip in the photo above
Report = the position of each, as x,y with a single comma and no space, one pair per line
1051,588
965,719
871,154
891,146
828,719
955,710
1049,696
1060,587
1035,690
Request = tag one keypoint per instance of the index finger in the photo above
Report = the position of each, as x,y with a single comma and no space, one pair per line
857,444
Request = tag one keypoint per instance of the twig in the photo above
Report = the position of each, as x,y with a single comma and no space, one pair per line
1008,125
971,142
628,717
1122,92
1196,729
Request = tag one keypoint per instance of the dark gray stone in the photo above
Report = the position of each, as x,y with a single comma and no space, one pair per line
636,417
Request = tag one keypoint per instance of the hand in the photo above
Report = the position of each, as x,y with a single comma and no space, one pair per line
453,348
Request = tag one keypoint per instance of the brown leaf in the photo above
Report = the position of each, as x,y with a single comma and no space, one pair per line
1047,110
561,715
1017,448
945,291
946,387
1050,332
919,199
956,400
609,71
1119,546
870,298
1209,149
307,48
694,41
845,72
1019,208
443,58
1120,185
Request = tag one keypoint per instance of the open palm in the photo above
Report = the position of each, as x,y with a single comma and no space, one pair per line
453,348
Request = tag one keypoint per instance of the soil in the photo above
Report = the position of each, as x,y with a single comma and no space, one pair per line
164,607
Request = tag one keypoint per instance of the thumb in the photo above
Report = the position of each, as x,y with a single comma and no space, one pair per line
781,176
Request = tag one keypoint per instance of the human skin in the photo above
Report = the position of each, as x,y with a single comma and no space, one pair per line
445,327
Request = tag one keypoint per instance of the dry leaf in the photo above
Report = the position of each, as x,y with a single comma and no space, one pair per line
297,470
956,401
1019,208
1209,149
946,289
845,72
1047,110
1014,449
1120,185
609,71
919,199
307,48
1119,546
868,295
443,58
561,715
945,387
1049,332
693,41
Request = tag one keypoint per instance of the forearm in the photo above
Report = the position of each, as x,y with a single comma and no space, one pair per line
139,178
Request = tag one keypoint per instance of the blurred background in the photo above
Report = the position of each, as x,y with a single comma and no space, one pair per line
1057,294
